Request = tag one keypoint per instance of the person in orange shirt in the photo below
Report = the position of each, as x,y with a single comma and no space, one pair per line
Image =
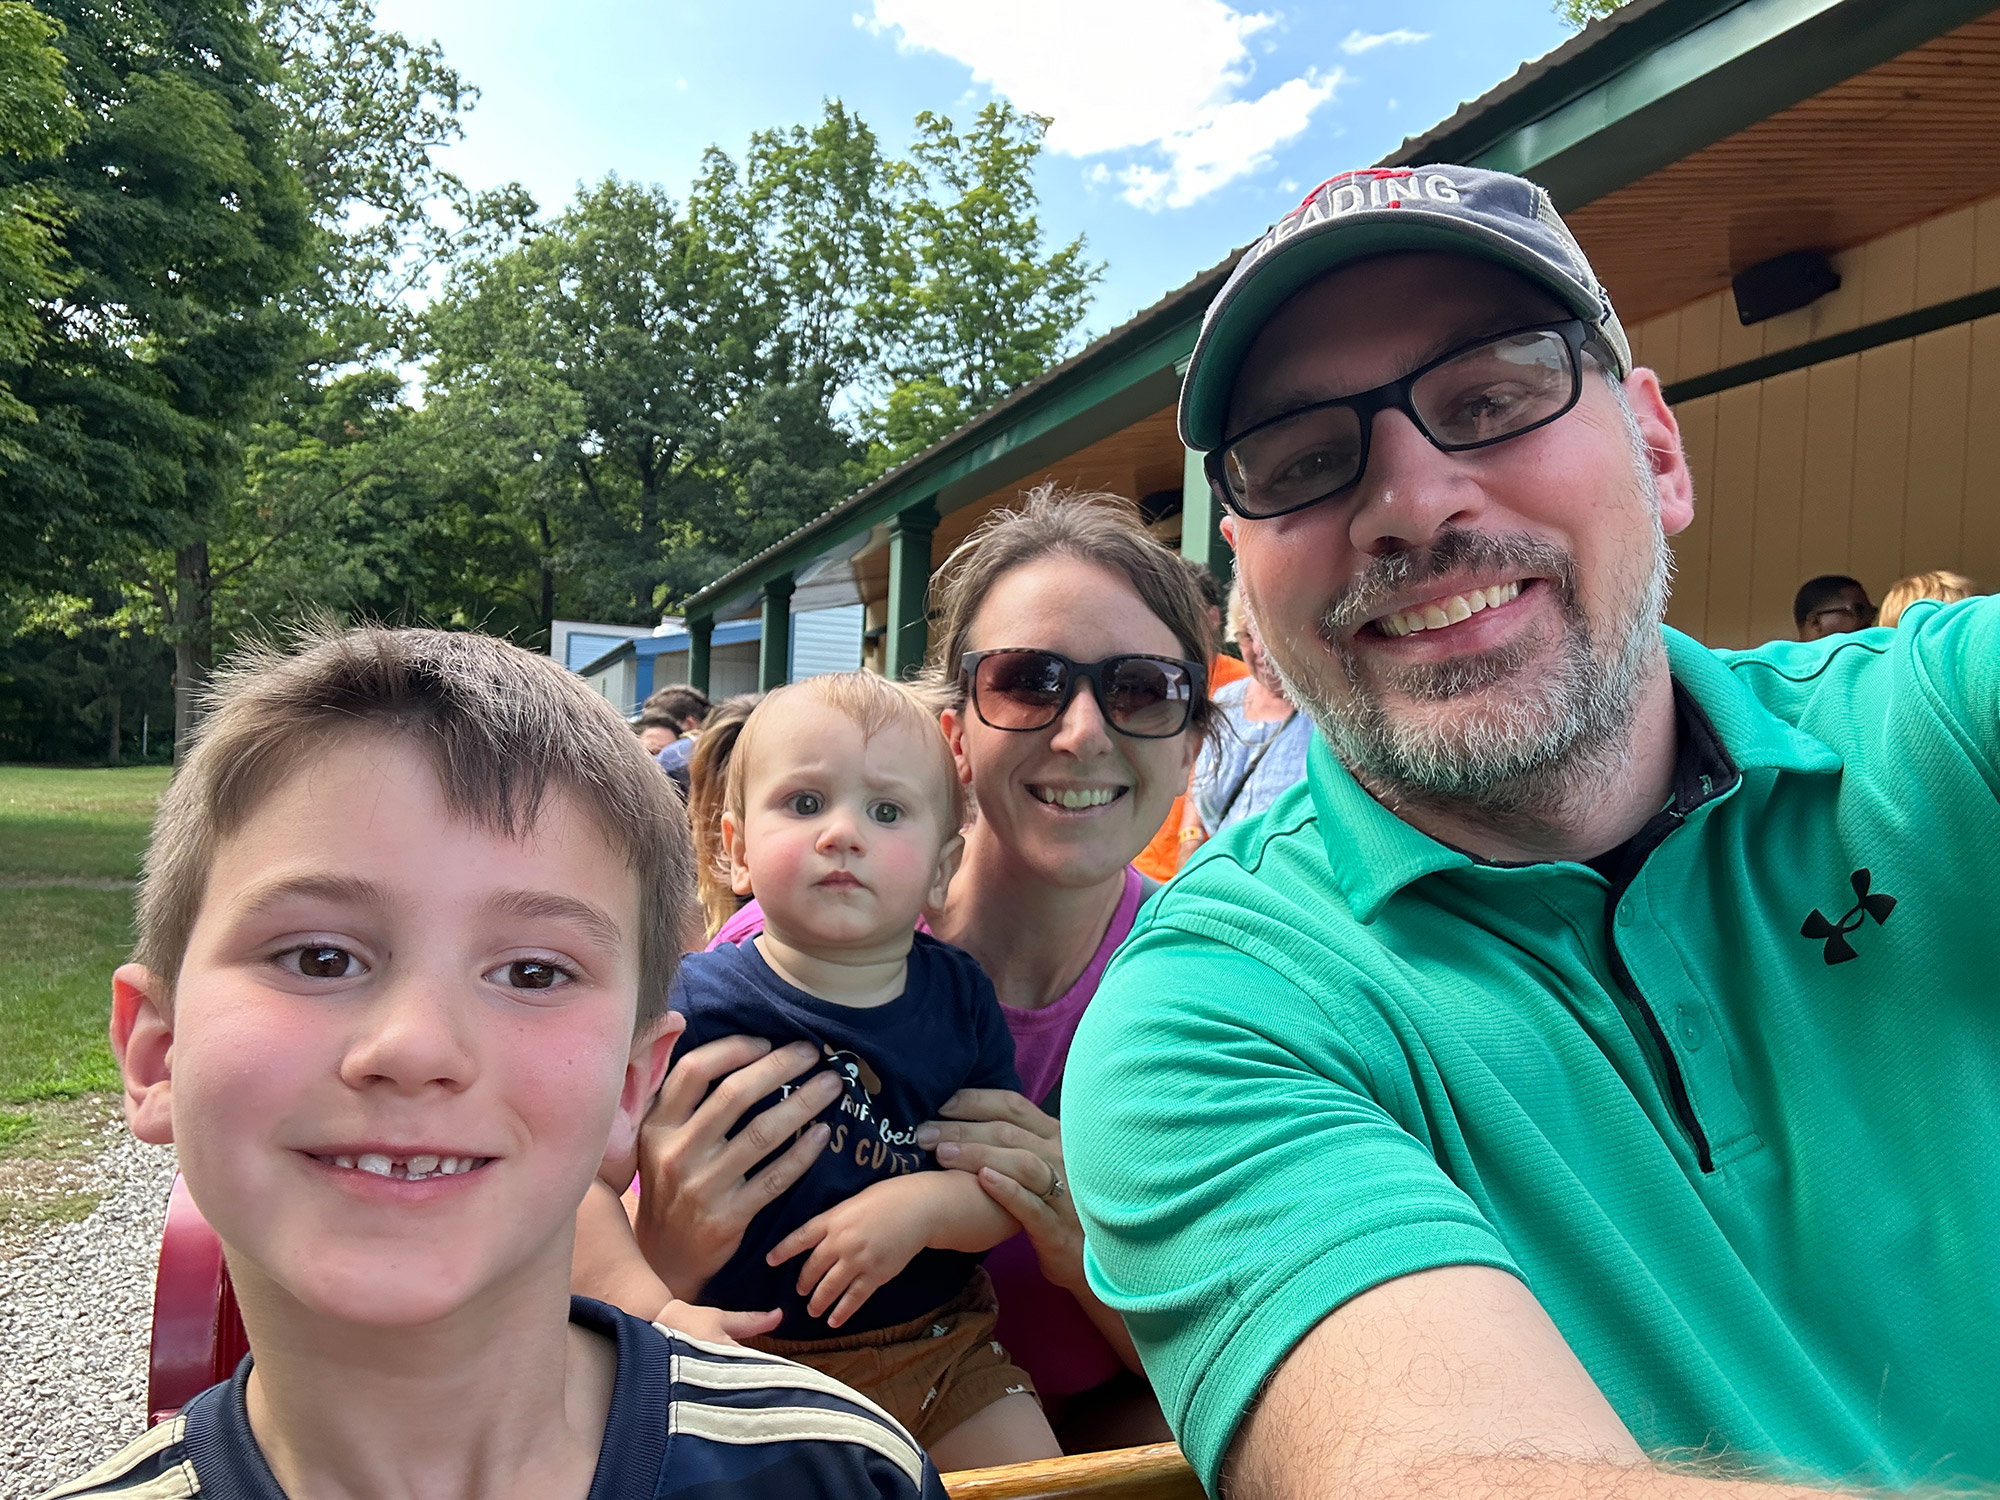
1161,859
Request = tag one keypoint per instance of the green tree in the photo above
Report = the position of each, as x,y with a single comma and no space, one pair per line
630,389
364,111
976,305
805,231
181,222
1581,13
37,120
315,517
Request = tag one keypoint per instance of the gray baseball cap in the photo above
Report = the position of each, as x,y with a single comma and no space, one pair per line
1370,211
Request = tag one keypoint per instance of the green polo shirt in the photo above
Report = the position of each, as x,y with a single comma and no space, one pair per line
1757,1186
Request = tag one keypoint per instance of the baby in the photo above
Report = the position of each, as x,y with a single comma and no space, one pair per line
843,815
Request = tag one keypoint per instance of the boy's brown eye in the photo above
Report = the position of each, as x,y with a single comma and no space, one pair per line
325,963
527,974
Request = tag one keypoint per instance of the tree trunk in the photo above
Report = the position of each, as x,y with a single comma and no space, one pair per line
548,582
194,642
112,748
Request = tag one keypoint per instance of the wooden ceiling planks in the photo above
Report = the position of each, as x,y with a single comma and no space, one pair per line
1134,462
1904,141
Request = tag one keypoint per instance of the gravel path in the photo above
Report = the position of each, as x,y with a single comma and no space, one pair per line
75,1313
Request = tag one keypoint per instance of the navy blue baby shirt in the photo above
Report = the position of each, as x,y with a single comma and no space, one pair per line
899,1062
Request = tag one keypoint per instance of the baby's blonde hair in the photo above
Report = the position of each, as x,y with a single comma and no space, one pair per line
1940,584
873,703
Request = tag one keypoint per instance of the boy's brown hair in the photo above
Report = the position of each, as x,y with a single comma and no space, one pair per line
873,703
502,728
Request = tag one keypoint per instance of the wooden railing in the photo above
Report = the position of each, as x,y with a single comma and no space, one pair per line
1154,1473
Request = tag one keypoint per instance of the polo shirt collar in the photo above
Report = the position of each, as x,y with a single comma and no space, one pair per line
1374,854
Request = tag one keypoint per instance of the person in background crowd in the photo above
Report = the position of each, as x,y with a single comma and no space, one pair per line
686,709
1586,1084
1831,604
708,781
656,731
681,706
1072,647
1160,859
1258,751
1941,585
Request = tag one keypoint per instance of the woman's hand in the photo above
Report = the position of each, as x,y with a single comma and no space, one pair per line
696,1194
1016,1152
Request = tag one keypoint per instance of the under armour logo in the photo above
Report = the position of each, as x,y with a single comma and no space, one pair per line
1838,949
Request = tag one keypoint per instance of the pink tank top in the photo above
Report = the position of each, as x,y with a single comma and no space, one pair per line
1045,1329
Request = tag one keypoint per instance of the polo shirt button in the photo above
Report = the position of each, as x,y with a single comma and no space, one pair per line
1690,1032
1624,915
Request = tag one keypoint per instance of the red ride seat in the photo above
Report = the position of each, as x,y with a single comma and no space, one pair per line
198,1339
198,1335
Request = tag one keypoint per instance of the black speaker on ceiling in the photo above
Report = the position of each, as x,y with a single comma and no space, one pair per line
1782,284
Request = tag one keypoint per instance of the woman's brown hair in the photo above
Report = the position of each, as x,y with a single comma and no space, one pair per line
708,786
1089,526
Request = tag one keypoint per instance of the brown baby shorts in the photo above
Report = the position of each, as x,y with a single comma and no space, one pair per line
930,1373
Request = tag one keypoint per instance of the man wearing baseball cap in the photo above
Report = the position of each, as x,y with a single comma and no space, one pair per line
1588,1082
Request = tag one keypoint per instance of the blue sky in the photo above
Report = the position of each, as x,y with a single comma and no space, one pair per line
1182,127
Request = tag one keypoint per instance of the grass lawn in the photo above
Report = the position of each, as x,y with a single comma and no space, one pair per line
87,824
70,843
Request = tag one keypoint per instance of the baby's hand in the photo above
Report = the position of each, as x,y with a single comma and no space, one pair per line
856,1247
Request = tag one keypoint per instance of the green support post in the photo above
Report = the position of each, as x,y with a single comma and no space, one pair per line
700,630
774,648
1201,521
909,588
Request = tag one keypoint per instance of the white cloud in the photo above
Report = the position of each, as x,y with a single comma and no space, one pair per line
1358,42
1168,80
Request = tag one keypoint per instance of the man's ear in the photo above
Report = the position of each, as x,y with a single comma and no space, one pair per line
142,1039
1664,454
947,866
652,1050
739,856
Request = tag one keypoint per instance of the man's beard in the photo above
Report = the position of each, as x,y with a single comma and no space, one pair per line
1538,732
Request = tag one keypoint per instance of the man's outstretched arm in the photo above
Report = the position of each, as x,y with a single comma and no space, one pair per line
1448,1382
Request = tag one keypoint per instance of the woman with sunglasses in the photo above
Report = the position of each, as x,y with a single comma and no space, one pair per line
1068,647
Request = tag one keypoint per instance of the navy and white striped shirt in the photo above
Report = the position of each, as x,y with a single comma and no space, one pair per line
688,1418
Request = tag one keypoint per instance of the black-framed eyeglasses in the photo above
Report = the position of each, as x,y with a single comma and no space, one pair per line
1838,619
1495,388
1146,697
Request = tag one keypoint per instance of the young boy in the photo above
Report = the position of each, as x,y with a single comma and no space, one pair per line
410,911
843,820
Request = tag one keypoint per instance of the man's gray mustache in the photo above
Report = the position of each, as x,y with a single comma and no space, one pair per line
1394,573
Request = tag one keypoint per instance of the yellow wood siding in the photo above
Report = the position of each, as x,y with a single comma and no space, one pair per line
1877,464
